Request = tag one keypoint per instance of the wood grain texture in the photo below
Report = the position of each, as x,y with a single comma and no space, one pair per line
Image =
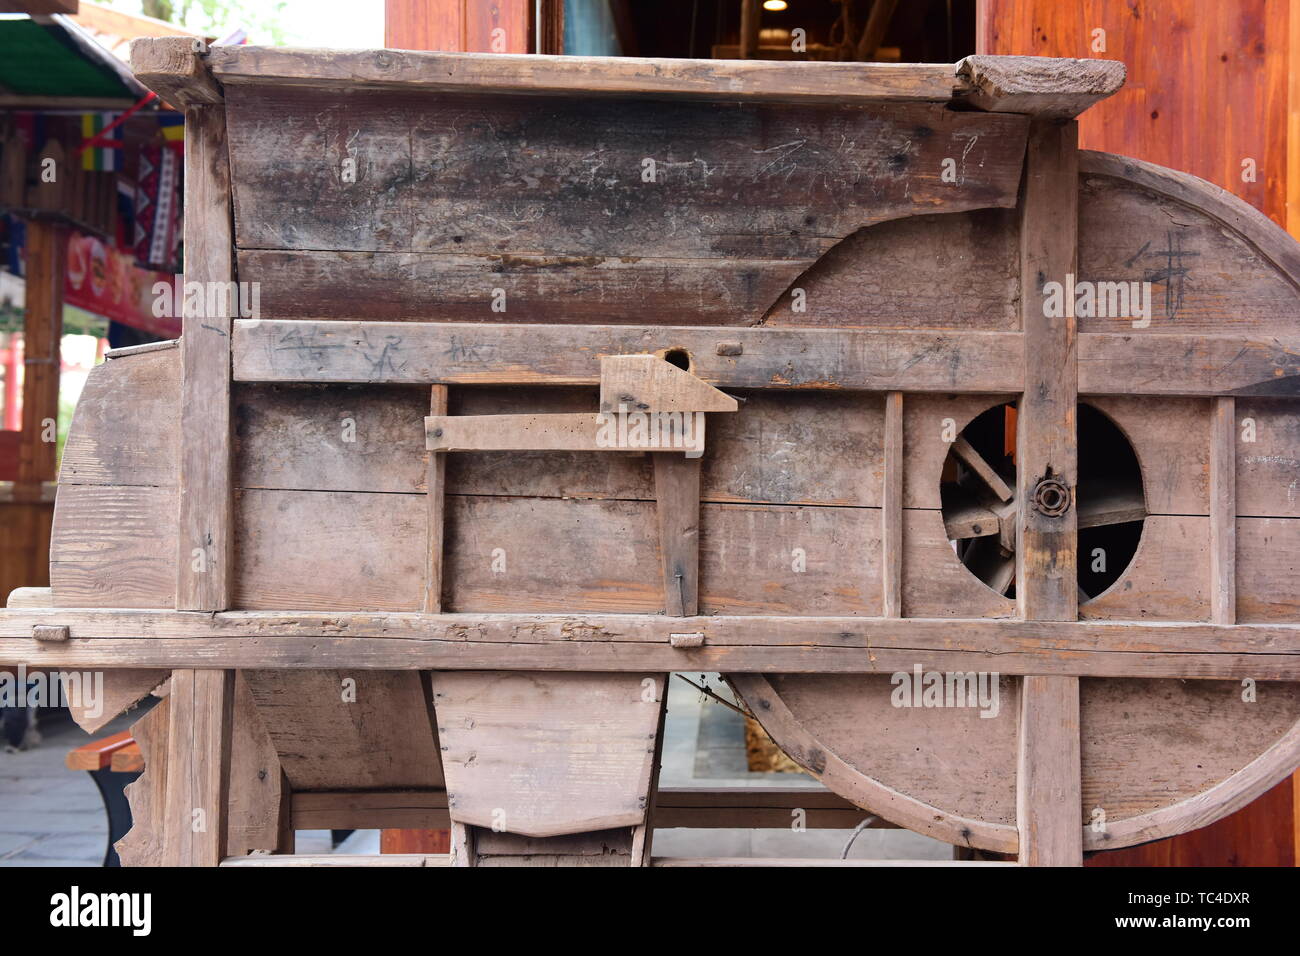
545,755
258,798
436,286
1178,77
1047,769
1223,512
122,690
195,821
435,176
465,354
147,795
436,509
725,80
203,554
891,513
677,511
117,442
1042,86
110,547
1048,814
171,67
758,643
380,737
899,274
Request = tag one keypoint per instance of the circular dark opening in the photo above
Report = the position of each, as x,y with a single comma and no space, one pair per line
978,493
679,357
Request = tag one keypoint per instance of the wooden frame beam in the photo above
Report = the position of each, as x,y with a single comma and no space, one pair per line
204,547
1049,772
642,642
463,353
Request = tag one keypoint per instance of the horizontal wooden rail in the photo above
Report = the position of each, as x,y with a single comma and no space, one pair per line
687,807
460,353
641,642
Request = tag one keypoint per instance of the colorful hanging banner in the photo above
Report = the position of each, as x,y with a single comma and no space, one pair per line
107,282
104,156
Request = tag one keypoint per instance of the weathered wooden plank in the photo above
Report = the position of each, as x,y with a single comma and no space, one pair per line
258,798
147,796
467,354
195,821
1195,250
436,510
1223,512
203,553
1268,566
114,546
545,755
689,807
1268,459
576,431
1046,87
173,68
891,513
391,286
924,258
396,172
1048,795
333,729
306,549
1191,207
590,76
1048,774
975,362
1168,578
126,426
122,690
640,642
677,510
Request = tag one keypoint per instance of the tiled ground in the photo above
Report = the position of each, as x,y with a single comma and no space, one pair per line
51,816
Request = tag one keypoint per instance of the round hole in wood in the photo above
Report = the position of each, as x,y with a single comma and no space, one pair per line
980,506
679,357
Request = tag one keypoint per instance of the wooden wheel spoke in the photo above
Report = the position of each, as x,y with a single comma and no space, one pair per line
1108,505
977,464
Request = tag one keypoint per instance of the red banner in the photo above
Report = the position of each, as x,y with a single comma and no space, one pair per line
102,280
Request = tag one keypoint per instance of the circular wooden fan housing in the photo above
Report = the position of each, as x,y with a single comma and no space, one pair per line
1159,756
981,503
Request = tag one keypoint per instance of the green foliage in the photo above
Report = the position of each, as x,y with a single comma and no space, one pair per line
218,17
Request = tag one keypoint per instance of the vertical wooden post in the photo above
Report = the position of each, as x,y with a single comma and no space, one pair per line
203,565
750,18
1048,797
195,820
436,508
677,493
891,515
1223,511
42,331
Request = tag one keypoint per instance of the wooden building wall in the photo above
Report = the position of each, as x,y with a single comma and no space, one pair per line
1212,90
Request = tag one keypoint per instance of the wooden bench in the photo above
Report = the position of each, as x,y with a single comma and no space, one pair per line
112,762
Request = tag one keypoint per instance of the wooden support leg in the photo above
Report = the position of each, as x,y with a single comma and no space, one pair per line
259,795
1048,786
195,824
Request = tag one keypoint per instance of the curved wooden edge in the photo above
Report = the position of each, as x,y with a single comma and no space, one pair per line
1269,239
857,787
1225,797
